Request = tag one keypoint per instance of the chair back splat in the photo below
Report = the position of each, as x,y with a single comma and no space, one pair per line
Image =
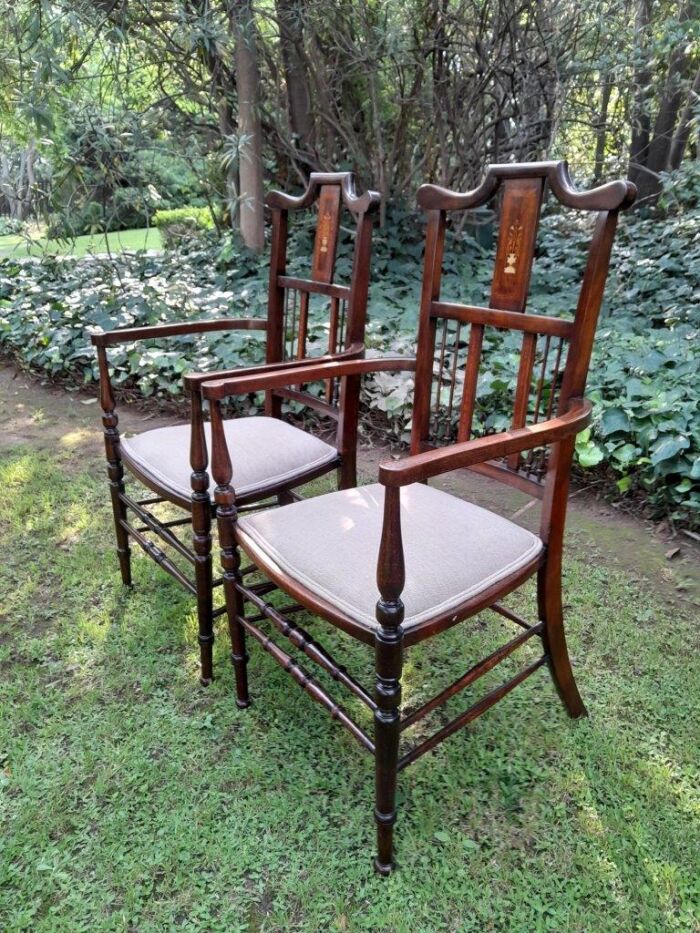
290,297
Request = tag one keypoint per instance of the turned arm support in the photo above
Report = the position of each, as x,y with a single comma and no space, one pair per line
278,378
421,467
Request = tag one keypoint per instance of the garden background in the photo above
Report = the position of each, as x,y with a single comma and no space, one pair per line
166,121
137,140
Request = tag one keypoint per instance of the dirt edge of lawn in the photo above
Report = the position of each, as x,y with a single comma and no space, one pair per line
35,413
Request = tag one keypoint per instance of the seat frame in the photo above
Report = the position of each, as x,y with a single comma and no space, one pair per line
504,456
287,330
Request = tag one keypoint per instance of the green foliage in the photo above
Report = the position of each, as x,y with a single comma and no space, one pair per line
183,222
681,189
643,381
63,301
11,226
132,799
114,171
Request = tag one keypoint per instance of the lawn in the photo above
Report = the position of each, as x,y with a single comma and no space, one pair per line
119,242
133,799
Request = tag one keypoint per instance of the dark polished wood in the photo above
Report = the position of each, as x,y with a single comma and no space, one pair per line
331,193
112,338
547,410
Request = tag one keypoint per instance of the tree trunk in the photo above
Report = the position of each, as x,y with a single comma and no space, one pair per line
641,119
682,134
601,131
289,15
657,160
250,167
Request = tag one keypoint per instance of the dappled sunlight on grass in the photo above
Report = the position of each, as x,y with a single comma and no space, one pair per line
133,798
72,439
17,472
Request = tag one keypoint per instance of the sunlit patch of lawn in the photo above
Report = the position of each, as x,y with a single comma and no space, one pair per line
118,242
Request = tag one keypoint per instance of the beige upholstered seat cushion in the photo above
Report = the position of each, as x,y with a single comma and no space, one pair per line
453,550
264,452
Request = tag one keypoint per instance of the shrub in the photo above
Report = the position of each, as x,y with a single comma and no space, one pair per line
182,223
11,225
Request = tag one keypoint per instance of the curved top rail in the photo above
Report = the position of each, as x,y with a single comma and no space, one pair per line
367,203
614,195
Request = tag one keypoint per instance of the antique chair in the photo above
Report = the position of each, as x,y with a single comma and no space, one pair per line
438,560
272,457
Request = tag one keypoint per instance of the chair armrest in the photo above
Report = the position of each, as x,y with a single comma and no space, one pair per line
129,334
193,381
218,389
420,467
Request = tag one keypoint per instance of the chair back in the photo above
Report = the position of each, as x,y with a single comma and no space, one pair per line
554,353
291,298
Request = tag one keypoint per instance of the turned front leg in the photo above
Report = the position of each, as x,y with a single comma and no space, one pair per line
115,469
388,660
201,540
226,515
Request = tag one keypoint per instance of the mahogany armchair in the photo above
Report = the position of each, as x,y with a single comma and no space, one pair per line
272,457
397,562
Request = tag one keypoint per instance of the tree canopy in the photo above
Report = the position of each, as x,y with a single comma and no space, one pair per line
111,108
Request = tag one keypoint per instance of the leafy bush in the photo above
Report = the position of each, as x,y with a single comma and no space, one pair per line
10,225
113,168
182,223
643,380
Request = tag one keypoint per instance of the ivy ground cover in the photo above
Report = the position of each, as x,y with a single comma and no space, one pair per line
645,440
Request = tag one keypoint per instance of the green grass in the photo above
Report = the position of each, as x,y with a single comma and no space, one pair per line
133,799
119,242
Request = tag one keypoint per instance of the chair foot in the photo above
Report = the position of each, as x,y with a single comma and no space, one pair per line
124,555
240,669
563,676
575,706
206,659
383,868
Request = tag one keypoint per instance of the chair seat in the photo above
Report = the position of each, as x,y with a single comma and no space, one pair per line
265,453
454,551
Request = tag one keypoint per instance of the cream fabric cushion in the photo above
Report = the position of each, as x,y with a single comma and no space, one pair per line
264,452
453,550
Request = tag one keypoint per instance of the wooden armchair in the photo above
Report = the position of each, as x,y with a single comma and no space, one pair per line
272,457
395,563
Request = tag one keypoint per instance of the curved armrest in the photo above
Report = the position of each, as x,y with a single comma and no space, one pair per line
129,334
422,466
217,389
193,381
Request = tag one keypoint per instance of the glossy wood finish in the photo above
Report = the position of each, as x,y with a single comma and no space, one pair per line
112,338
115,470
419,467
520,214
548,410
333,193
289,301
